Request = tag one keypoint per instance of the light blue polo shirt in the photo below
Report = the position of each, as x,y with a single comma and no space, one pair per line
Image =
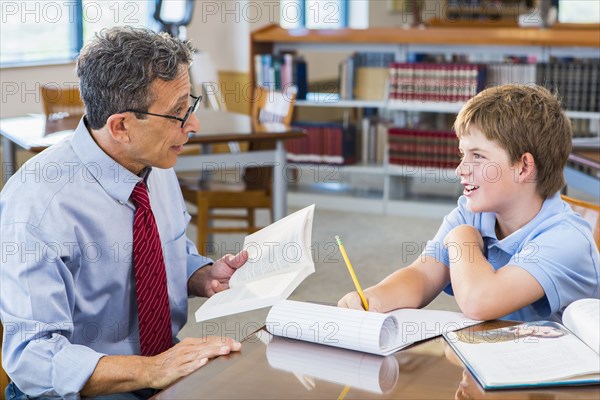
556,247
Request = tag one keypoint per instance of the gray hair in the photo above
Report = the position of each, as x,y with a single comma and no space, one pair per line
116,69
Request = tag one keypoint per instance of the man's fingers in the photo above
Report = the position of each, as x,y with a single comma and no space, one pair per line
217,286
236,261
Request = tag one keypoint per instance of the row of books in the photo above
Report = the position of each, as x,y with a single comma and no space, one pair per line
280,71
435,82
438,149
324,143
577,83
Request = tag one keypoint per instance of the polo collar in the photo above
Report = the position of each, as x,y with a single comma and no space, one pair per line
512,243
115,179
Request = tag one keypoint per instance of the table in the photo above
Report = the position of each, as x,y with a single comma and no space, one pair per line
285,369
35,133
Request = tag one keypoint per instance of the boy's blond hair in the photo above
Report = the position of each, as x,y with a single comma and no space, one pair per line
523,119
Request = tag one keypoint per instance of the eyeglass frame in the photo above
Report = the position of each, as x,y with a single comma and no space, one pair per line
193,108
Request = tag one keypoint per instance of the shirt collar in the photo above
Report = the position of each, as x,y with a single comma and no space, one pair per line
115,179
511,243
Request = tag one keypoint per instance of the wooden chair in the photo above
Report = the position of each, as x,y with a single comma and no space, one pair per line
61,102
588,211
251,191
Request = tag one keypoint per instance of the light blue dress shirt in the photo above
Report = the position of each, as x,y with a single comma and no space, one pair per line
67,279
556,247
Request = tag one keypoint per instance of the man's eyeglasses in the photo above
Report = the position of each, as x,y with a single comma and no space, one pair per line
192,109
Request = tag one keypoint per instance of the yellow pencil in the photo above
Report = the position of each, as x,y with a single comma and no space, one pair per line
352,274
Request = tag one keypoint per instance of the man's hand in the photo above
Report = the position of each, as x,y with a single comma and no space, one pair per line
352,300
215,278
186,357
117,374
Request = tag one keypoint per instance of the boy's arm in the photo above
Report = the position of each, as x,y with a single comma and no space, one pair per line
412,287
481,292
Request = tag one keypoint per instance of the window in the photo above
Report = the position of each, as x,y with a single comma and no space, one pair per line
324,14
43,32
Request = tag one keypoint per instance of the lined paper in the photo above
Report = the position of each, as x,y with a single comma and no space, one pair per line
333,326
370,332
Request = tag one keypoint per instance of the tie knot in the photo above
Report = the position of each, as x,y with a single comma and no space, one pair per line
140,196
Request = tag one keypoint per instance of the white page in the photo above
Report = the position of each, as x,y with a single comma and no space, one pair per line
370,332
345,367
582,317
499,359
415,325
251,296
332,326
279,260
278,247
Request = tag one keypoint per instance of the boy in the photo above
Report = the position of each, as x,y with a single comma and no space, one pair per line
512,248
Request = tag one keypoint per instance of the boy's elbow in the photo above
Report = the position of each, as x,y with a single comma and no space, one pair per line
478,305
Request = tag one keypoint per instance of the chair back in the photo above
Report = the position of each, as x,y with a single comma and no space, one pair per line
269,108
588,211
61,102
273,107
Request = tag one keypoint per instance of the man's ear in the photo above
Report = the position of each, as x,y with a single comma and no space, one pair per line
118,127
527,169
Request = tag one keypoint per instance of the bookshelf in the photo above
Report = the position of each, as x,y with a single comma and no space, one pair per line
484,44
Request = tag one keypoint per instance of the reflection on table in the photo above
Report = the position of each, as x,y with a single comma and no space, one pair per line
269,368
309,361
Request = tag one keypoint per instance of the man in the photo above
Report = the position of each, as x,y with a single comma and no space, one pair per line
96,267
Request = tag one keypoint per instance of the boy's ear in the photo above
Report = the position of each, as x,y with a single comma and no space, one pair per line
527,169
118,127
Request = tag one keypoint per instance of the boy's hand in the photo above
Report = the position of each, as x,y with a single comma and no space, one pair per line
463,235
352,300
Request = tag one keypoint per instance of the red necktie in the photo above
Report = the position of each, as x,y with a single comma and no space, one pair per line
154,313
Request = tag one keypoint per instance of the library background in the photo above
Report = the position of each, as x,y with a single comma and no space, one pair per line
378,83
378,103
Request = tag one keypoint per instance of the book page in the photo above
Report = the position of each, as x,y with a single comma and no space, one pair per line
345,367
277,248
333,326
582,317
251,296
415,325
525,354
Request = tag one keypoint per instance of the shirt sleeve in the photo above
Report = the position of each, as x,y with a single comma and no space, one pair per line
36,308
194,260
565,276
435,247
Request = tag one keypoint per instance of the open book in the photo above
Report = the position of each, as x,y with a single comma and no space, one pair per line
279,258
370,332
310,362
538,353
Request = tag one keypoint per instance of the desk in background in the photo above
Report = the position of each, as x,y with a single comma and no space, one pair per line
286,369
35,133
583,169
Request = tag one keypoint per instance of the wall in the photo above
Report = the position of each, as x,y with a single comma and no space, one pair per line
220,27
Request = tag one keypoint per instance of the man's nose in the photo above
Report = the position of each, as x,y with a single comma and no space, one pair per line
192,125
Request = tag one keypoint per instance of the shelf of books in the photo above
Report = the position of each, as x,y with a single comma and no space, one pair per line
403,87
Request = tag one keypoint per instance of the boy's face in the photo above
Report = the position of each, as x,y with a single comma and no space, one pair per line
486,174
